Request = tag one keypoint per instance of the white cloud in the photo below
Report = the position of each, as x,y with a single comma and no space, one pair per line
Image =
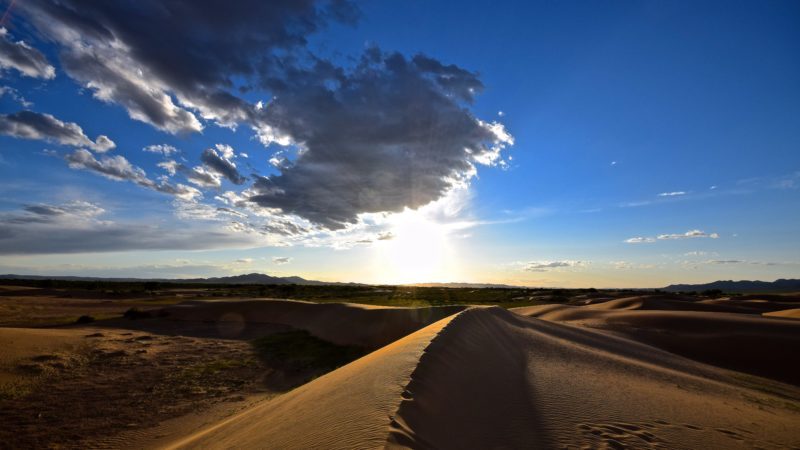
14,95
202,177
640,240
281,260
672,194
691,234
163,149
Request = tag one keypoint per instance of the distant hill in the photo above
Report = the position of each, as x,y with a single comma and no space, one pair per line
740,286
250,278
465,285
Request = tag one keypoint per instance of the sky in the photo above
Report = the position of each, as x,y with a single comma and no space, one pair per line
536,143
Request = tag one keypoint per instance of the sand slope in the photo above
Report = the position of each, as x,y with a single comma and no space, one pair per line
345,409
489,378
793,313
744,342
340,323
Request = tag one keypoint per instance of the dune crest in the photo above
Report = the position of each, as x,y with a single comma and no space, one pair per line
341,323
488,378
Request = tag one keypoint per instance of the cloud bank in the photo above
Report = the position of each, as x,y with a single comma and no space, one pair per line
386,133
77,227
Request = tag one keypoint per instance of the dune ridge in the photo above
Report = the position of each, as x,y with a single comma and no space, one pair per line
489,378
748,343
493,379
341,323
350,407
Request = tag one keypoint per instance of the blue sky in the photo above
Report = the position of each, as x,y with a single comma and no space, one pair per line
609,143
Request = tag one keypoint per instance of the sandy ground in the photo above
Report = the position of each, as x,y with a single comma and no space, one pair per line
710,332
340,323
653,371
489,378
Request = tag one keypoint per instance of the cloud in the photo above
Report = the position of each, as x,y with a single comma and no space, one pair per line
23,58
32,125
222,164
640,240
696,253
725,261
544,266
386,133
386,236
120,169
14,95
78,227
244,260
625,265
395,134
170,165
688,235
163,149
691,234
186,67
672,194
280,260
201,176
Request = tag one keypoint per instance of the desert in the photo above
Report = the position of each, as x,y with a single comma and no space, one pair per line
602,369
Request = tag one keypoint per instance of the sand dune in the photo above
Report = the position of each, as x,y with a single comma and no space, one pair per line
340,323
748,343
793,313
347,408
489,378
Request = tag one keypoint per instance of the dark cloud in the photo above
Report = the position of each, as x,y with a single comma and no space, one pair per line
222,166
388,135
187,49
23,58
32,125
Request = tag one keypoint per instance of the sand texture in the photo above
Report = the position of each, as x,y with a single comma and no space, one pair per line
490,378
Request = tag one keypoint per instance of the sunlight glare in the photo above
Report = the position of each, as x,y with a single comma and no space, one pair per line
419,252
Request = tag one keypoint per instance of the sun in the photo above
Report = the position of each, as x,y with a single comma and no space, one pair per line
419,251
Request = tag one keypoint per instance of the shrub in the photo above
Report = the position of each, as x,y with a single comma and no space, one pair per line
136,313
85,319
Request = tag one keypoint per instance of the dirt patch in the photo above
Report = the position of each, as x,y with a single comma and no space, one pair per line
122,381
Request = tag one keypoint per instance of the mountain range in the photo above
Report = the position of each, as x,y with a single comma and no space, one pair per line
780,285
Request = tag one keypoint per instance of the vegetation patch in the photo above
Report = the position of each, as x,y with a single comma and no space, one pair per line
299,351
